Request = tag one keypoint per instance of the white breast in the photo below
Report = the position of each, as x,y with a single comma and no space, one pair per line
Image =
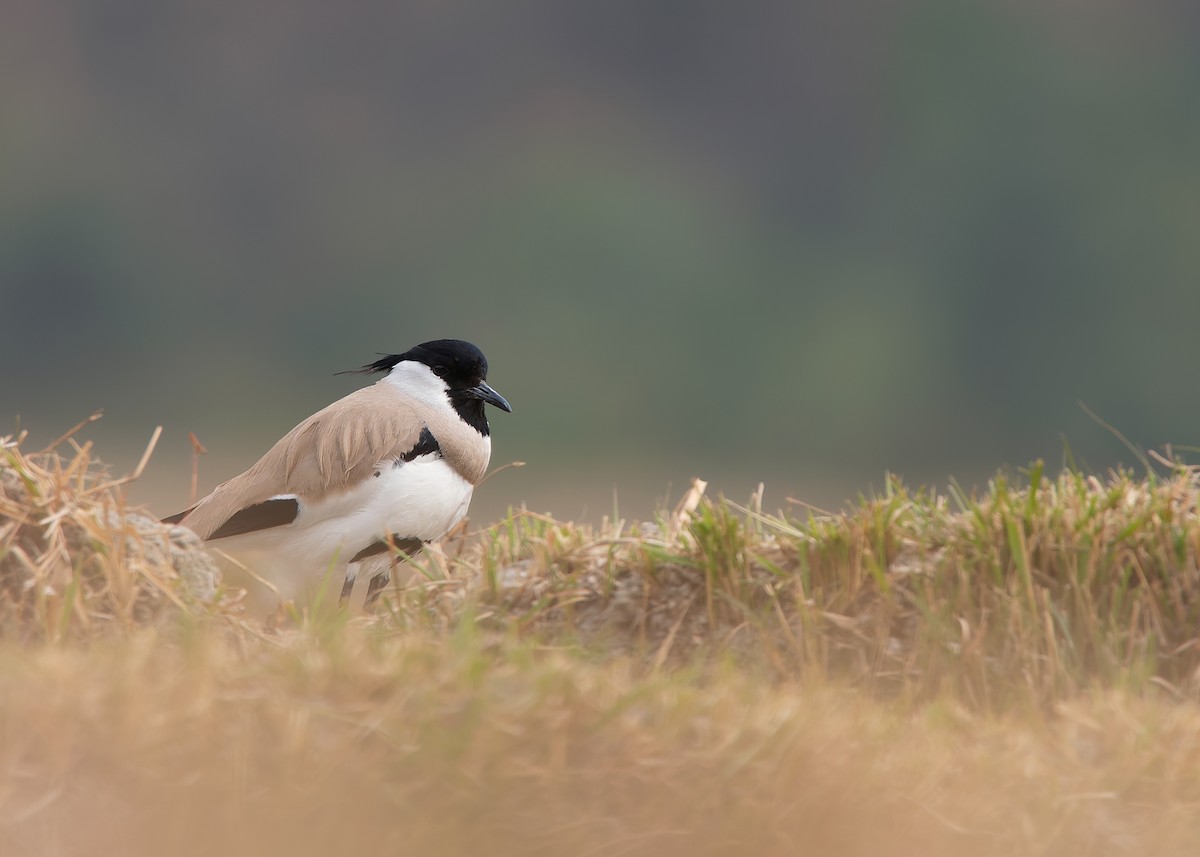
423,498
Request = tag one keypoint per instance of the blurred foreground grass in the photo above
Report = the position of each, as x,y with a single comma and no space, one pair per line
1012,672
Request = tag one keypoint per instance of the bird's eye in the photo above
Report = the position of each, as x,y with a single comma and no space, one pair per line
440,371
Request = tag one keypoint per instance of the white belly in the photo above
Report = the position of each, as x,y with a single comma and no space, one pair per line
423,499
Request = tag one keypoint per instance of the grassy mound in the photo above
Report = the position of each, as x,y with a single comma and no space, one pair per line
1015,595
74,560
1013,671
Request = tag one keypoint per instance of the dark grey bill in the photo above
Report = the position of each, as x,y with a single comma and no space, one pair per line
485,393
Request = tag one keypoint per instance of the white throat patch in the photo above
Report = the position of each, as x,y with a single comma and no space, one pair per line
417,380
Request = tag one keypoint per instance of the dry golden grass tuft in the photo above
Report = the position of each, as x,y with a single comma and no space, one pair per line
74,560
1011,672
1013,596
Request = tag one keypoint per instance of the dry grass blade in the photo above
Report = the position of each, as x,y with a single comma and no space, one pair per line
137,471
197,451
61,439
512,465
688,504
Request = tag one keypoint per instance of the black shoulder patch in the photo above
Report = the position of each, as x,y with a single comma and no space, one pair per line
260,516
426,444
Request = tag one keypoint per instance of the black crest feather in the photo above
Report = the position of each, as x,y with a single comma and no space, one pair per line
383,364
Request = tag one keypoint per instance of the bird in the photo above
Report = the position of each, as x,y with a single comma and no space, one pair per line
391,465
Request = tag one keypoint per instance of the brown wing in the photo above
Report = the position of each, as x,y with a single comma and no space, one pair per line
329,452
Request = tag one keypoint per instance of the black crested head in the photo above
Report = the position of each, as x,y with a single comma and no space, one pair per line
457,356
458,363
462,367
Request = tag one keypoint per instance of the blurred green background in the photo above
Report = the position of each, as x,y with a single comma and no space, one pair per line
801,243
